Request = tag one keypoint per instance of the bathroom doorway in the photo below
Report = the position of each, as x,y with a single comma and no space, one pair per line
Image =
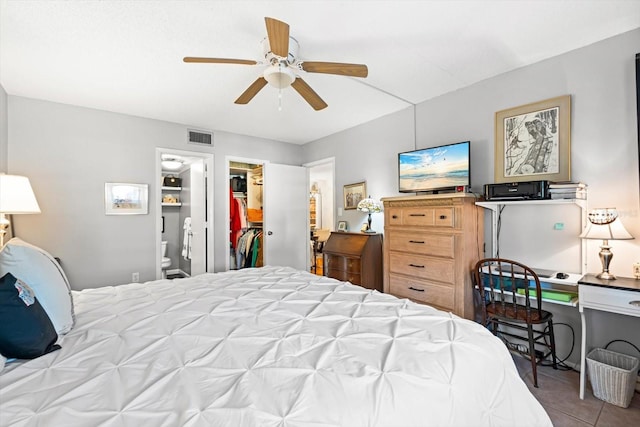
184,236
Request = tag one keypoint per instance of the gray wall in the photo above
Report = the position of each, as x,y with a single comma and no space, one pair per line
69,153
601,80
366,153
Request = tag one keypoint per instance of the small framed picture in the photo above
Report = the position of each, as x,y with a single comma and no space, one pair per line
353,193
343,226
126,199
365,226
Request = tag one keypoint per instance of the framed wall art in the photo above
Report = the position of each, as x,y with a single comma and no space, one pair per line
533,142
353,193
126,199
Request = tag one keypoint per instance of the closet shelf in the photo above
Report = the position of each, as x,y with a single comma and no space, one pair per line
171,204
164,188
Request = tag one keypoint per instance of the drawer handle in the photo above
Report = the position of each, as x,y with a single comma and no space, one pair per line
394,216
416,266
635,303
416,289
443,217
417,241
417,215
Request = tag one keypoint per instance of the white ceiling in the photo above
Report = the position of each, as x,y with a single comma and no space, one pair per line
126,56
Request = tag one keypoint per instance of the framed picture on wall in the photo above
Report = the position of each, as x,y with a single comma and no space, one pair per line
533,142
353,193
126,199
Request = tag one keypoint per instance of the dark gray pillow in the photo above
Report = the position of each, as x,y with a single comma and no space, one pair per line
26,332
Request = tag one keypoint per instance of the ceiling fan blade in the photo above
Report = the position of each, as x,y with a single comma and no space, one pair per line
251,91
308,94
354,70
278,33
219,60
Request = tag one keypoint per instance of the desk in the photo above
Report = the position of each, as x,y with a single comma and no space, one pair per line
621,296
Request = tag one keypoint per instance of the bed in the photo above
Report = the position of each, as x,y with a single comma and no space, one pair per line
268,346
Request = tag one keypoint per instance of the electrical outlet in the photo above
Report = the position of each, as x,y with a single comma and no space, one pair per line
135,277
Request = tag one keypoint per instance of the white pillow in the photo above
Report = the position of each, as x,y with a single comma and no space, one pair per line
44,275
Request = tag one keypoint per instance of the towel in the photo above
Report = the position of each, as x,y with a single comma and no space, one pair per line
186,240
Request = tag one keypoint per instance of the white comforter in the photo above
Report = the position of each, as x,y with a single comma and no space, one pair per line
265,347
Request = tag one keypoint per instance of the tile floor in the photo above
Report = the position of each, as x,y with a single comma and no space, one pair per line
558,392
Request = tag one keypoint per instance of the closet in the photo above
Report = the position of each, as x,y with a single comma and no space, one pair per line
246,240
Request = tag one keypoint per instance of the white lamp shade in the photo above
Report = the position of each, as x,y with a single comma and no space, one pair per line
369,205
612,231
16,195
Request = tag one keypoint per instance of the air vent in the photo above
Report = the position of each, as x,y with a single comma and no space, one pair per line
199,137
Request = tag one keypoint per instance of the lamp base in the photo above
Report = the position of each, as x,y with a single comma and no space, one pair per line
606,276
370,231
605,258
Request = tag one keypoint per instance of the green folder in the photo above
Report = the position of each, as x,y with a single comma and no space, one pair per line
553,295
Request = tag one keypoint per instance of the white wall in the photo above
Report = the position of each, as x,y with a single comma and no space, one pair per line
4,141
601,80
69,153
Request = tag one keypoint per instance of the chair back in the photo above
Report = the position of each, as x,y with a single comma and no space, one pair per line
508,287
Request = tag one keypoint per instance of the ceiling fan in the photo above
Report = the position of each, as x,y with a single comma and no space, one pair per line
283,65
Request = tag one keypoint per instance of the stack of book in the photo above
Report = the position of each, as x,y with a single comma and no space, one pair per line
568,190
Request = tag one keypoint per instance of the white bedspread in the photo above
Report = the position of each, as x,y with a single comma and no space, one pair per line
265,347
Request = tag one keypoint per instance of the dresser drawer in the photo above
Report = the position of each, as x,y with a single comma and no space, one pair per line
609,299
421,216
422,243
423,267
443,217
337,262
422,291
345,276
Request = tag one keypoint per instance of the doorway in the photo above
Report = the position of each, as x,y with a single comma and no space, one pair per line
284,201
184,219
321,179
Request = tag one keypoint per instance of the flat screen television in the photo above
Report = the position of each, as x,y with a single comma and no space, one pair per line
435,169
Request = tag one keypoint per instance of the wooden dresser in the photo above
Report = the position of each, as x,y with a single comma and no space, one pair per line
354,257
431,244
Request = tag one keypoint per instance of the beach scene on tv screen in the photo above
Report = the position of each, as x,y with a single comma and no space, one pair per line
433,168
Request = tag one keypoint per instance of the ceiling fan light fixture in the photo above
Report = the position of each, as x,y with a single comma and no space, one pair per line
279,77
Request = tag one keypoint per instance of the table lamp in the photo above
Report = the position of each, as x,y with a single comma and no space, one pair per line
369,206
16,197
604,225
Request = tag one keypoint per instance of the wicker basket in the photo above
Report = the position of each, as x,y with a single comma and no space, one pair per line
613,376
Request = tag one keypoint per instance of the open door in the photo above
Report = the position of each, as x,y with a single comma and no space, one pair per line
286,213
198,218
